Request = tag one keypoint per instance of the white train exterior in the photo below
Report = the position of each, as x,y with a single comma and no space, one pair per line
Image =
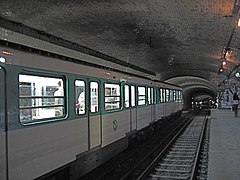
97,112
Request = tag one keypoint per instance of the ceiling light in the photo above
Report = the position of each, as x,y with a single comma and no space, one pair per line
224,63
7,52
2,60
237,74
239,22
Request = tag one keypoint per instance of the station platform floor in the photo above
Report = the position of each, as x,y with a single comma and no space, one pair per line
224,147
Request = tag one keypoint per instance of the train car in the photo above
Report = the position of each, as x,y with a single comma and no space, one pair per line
61,116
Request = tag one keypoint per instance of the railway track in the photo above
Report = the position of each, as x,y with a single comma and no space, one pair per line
123,166
180,159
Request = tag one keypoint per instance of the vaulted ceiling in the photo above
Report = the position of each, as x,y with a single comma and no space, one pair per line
181,42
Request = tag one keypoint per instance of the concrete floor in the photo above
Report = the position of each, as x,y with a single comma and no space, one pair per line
224,148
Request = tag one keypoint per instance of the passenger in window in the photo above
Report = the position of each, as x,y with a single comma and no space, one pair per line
81,103
59,100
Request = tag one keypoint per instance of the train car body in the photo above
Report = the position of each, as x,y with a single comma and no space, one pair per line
56,113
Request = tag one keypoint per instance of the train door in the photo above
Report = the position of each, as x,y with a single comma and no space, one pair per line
151,101
133,109
94,116
3,128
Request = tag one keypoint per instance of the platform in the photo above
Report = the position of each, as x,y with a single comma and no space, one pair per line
224,148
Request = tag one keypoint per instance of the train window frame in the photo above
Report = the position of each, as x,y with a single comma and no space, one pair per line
97,98
114,98
80,95
32,107
141,97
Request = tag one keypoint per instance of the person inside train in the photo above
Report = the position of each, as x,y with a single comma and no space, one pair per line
59,100
235,104
80,105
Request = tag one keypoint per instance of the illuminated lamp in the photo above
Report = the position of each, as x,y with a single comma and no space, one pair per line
237,74
239,22
224,63
2,60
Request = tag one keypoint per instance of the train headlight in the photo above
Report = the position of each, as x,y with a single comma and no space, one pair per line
2,60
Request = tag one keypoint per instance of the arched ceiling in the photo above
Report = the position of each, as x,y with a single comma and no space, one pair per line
181,42
194,86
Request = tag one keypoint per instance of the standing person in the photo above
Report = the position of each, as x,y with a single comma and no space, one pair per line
235,104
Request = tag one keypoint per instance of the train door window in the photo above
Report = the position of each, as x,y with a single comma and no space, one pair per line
94,97
167,95
133,96
80,95
112,96
160,95
150,95
127,97
180,96
141,95
174,95
163,95
170,95
40,98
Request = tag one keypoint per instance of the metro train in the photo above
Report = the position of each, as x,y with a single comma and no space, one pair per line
60,115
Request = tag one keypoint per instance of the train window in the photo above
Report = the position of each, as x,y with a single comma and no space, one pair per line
180,96
141,95
150,95
174,95
80,97
127,96
170,95
163,96
160,95
133,96
177,96
112,96
94,97
40,98
167,93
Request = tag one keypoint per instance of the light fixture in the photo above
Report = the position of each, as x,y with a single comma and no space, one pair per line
237,74
224,63
107,73
239,22
228,54
2,60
